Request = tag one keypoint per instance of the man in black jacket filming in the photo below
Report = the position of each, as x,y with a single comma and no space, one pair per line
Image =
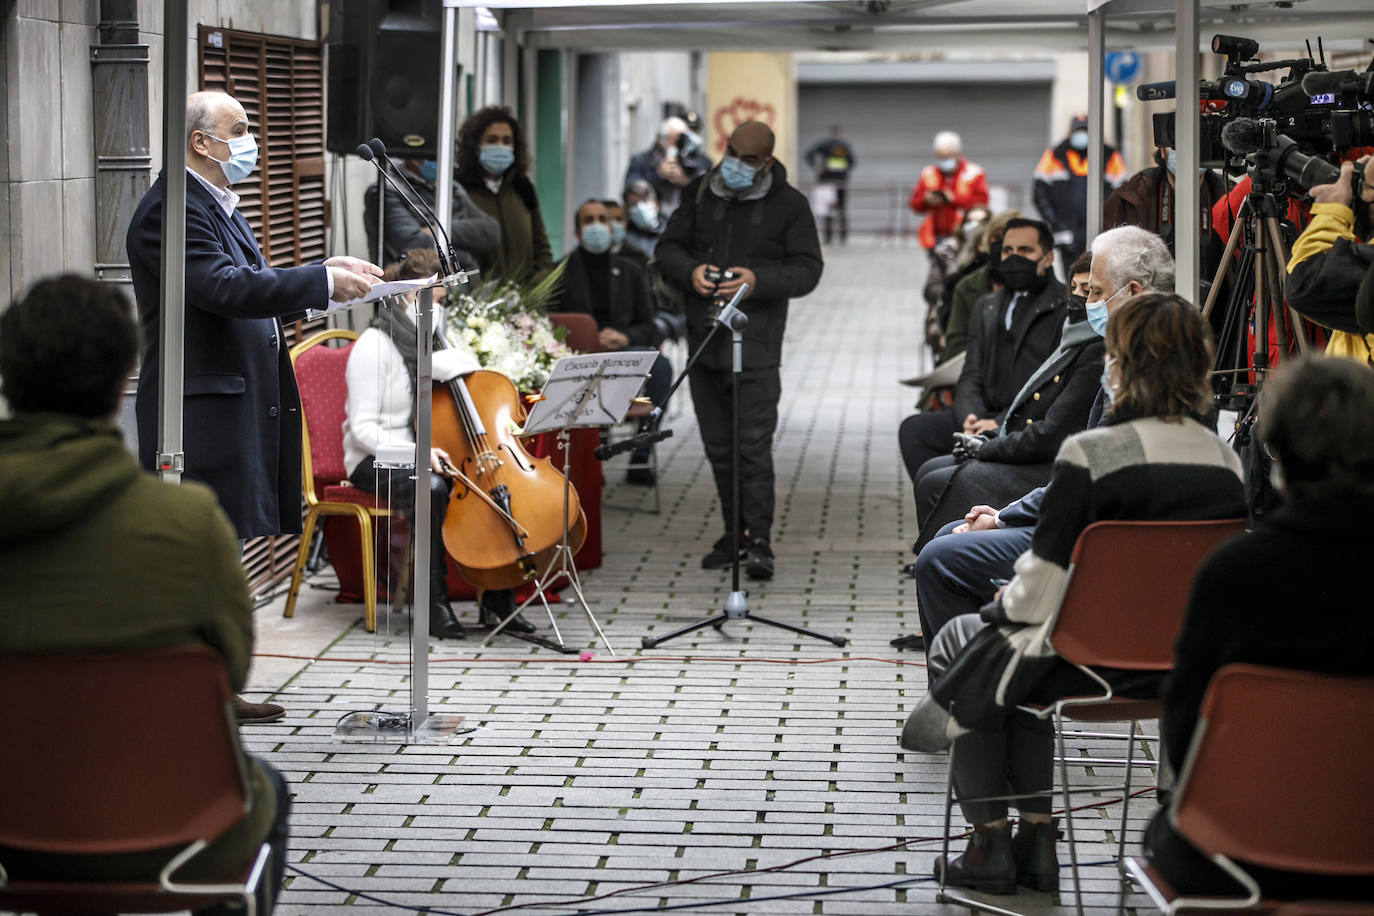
745,225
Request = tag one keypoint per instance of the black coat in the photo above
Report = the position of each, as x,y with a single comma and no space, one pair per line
774,236
1055,407
242,419
472,232
631,307
1035,332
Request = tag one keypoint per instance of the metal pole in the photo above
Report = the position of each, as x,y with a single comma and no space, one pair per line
448,54
419,617
1186,200
171,459
1096,56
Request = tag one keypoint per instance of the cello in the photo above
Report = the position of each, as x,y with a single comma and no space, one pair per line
505,518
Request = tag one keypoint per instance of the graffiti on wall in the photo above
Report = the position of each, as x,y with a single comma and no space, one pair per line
726,118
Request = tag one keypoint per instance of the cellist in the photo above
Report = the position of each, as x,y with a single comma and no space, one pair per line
380,410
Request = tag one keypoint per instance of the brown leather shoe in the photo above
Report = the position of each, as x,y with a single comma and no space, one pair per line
256,713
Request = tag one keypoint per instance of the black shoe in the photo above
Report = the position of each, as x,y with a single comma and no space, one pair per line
758,559
721,555
916,642
985,866
497,605
442,623
1033,850
909,570
641,477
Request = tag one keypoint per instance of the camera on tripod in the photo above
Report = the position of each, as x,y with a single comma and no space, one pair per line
1289,132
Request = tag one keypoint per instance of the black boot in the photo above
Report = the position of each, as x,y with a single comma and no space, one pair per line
1033,850
442,623
497,605
986,865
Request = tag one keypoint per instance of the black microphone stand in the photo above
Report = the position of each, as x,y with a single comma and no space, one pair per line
737,604
442,242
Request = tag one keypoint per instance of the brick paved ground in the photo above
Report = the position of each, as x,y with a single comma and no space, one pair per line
758,763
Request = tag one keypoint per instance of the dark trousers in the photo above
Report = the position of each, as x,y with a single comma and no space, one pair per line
760,390
1017,758
954,573
399,489
931,480
269,886
923,436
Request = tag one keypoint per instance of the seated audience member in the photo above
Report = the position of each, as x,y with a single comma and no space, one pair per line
380,410
1154,461
1005,462
616,214
953,573
474,234
1317,421
1011,334
645,222
952,258
112,558
614,291
972,283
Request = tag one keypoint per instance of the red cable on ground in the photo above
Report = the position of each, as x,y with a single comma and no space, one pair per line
621,660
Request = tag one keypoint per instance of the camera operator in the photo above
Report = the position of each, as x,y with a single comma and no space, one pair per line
675,160
1148,200
748,222
1329,261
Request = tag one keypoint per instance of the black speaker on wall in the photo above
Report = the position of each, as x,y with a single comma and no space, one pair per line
384,76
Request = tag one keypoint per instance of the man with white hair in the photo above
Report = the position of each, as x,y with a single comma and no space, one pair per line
677,158
241,409
954,571
947,187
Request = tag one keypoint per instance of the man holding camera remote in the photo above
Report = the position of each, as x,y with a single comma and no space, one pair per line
741,223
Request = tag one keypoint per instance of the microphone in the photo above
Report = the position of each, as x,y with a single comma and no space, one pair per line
435,225
1243,136
730,315
368,153
1154,92
643,440
1339,81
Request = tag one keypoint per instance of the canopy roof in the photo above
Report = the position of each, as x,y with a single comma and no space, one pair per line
774,25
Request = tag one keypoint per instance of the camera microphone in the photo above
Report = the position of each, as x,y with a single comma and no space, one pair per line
1339,81
1243,136
1154,92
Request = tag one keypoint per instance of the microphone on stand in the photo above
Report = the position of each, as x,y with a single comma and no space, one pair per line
436,225
643,440
367,152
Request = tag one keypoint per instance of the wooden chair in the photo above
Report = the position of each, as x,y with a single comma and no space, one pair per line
1277,775
81,777
584,336
324,479
1123,608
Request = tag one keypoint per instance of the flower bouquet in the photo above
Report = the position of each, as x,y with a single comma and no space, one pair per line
504,325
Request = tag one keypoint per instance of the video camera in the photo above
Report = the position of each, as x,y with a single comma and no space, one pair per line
1289,132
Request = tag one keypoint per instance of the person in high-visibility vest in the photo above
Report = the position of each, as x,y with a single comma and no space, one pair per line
1061,187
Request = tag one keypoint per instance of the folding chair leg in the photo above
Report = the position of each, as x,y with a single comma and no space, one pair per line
1068,810
369,570
1125,801
301,555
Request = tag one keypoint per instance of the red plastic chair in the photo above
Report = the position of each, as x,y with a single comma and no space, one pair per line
82,778
324,392
1277,776
1123,608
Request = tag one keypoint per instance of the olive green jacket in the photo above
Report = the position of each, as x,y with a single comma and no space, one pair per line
524,255
95,554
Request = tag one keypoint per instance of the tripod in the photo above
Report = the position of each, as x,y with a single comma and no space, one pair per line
737,604
1260,274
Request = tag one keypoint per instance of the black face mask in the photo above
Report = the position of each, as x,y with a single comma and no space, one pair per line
1019,274
1078,305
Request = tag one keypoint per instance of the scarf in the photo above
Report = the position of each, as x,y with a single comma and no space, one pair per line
397,325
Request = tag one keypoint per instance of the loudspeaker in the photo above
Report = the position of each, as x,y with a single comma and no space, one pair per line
384,76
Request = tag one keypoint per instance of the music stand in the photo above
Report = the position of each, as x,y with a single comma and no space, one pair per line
591,390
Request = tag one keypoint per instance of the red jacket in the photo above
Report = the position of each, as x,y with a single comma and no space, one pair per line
966,187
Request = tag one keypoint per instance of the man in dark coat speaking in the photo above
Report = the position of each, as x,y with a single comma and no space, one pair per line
242,410
743,218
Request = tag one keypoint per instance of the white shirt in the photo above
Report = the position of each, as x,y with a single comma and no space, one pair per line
227,199
377,409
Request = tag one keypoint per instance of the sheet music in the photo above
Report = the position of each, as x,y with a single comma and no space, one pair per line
379,291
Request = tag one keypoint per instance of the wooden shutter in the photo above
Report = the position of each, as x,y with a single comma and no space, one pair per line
279,82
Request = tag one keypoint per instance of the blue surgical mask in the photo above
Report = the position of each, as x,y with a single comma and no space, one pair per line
1097,313
429,170
948,164
736,175
1172,162
596,238
617,232
243,156
1078,139
496,158
645,215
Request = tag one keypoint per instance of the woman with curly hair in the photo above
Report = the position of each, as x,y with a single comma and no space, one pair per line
492,161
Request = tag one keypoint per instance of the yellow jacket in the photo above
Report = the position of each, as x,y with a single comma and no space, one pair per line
1330,223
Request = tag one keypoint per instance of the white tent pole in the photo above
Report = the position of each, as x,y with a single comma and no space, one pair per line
1096,55
172,315
1186,132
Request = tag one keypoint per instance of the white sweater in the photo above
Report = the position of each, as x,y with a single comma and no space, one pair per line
380,392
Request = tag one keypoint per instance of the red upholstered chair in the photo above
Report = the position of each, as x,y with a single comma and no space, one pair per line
80,778
324,479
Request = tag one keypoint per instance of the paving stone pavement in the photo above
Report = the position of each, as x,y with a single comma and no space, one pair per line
743,770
